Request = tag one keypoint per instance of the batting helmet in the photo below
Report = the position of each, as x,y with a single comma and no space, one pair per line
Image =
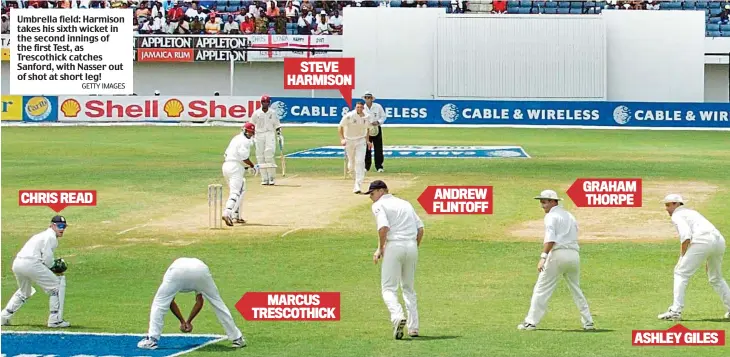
265,98
249,127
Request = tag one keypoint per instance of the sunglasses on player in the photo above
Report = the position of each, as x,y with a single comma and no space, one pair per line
61,225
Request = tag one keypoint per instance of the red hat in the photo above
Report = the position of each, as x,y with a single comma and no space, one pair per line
249,127
265,98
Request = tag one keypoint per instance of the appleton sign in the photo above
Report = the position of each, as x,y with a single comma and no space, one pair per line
239,48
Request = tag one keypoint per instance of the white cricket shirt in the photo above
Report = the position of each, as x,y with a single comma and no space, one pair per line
376,112
40,247
239,148
690,224
398,215
561,228
355,126
265,122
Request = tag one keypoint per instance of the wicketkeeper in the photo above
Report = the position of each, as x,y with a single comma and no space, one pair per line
35,264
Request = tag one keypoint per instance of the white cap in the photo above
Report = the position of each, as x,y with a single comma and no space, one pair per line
157,92
548,195
367,93
673,198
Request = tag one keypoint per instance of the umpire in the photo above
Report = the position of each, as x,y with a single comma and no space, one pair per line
377,118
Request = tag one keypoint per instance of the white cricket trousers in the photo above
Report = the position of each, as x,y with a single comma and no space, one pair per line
189,275
265,150
28,271
356,160
696,254
399,268
565,263
233,173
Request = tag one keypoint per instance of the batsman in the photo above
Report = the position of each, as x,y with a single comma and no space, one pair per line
268,125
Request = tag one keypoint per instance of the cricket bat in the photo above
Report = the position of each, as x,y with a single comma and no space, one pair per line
283,159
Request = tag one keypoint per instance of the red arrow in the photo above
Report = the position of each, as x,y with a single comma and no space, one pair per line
290,306
457,200
606,192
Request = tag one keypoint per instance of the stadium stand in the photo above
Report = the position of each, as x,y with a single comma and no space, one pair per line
324,17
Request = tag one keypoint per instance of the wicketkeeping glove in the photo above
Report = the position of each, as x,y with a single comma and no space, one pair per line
59,266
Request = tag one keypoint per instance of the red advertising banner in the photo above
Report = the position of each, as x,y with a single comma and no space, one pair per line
606,192
290,306
457,200
57,200
325,73
678,335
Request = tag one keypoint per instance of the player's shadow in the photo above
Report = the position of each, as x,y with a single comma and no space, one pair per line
598,330
430,338
70,328
707,320
217,348
284,185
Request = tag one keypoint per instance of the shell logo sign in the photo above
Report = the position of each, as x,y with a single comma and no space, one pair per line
134,108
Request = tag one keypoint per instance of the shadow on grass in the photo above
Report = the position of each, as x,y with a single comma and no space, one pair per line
76,328
219,347
429,338
598,330
706,320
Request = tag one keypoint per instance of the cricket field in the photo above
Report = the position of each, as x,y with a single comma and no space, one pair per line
475,273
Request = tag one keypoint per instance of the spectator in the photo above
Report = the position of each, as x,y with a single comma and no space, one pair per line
5,24
421,4
253,9
292,12
323,27
212,27
231,27
651,6
304,25
241,17
272,11
175,12
169,27
335,23
262,25
157,23
499,7
183,26
247,26
142,11
84,4
192,11
196,27
145,26
455,9
306,5
725,14
281,22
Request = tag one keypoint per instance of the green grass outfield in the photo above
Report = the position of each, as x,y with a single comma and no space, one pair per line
474,278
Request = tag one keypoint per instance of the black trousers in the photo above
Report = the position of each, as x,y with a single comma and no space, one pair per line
378,146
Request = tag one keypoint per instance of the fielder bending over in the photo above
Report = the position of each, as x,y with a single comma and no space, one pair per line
700,242
559,258
267,124
354,136
400,231
183,276
237,153
33,265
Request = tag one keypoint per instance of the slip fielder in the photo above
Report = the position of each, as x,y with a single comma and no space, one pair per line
33,265
353,130
268,125
237,153
400,232
700,242
559,257
183,276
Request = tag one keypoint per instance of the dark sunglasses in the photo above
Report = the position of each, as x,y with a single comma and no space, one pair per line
61,225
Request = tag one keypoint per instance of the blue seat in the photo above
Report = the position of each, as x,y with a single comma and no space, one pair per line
395,3
537,10
551,4
563,10
538,4
714,20
432,3
715,4
671,5
513,10
701,4
564,4
725,28
513,4
714,34
576,11
524,10
589,4
527,4
551,10
726,34
713,27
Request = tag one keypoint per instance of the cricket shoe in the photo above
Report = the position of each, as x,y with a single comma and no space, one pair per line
413,333
727,315
398,330
59,324
238,220
526,326
589,327
670,315
4,321
239,343
381,170
228,220
148,343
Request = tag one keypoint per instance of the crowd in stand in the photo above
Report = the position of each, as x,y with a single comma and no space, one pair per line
314,17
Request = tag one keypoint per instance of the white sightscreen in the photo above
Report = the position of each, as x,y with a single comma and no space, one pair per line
504,57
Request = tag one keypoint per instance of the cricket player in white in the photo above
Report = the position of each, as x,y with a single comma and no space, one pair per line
183,276
32,265
559,257
700,242
354,136
400,231
237,153
267,124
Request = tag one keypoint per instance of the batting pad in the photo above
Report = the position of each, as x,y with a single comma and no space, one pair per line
421,152
69,344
